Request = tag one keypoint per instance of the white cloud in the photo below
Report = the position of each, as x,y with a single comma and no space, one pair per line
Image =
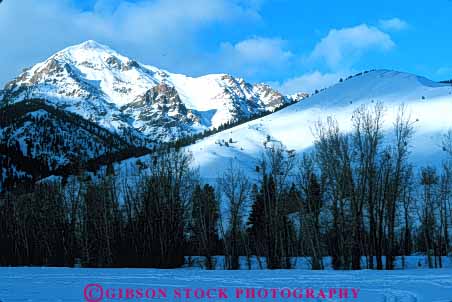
339,50
251,55
394,24
309,82
150,31
342,47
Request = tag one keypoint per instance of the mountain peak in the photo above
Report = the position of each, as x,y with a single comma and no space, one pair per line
88,51
90,44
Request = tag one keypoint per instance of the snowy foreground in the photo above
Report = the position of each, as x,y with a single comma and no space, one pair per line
66,284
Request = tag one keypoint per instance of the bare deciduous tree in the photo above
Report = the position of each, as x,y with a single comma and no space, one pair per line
235,187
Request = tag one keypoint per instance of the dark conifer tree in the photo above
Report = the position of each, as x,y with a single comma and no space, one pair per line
256,223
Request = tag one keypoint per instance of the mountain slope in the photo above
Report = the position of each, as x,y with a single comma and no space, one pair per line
428,103
125,96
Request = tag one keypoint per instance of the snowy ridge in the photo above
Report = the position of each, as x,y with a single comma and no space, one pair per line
428,103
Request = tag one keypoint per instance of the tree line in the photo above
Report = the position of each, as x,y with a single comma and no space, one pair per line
355,198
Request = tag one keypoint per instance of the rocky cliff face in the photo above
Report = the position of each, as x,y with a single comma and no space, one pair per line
160,113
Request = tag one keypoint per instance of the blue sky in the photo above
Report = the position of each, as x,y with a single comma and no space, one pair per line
294,45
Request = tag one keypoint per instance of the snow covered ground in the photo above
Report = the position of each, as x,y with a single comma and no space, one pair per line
303,263
66,284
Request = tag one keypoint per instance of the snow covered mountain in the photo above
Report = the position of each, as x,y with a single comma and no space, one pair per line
125,96
429,104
